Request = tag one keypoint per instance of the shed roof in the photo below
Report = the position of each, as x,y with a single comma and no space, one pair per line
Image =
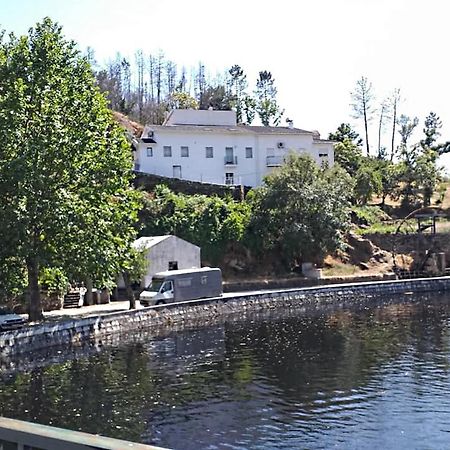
146,242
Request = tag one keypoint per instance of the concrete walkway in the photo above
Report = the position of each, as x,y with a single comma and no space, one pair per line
87,311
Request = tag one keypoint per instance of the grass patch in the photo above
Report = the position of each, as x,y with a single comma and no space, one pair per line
340,270
388,227
369,215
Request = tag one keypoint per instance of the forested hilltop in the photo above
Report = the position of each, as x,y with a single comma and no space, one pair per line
149,86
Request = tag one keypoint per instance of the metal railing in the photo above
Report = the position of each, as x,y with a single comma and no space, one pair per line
230,160
20,435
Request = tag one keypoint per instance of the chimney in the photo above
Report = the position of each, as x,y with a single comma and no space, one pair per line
290,123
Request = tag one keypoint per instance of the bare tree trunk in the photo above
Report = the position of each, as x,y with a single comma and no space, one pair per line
140,86
35,306
395,101
130,293
159,75
394,122
366,130
151,72
380,125
171,76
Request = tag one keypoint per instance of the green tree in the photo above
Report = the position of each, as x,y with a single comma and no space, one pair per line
347,150
345,132
212,223
408,157
426,163
182,100
65,166
238,85
249,109
390,175
13,278
266,100
216,97
301,210
368,182
427,174
431,130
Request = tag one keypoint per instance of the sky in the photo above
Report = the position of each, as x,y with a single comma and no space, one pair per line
316,50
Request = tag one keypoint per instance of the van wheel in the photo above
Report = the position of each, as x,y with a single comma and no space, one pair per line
160,302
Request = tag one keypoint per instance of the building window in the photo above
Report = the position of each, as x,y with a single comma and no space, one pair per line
230,159
209,152
323,155
184,152
229,178
167,151
249,152
173,265
149,151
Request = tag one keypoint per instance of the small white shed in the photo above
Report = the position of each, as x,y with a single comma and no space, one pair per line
167,253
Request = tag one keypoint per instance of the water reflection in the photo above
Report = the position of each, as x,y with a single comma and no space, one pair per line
349,378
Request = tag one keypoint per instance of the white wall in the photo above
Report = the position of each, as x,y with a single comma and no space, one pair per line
171,249
201,117
196,167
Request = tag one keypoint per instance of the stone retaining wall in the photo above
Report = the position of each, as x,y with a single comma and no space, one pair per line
199,312
412,242
301,282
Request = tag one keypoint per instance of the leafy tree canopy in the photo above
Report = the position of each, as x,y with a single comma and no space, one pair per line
209,222
347,151
266,99
65,166
301,210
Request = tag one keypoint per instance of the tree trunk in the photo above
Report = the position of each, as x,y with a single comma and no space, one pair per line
394,120
367,132
35,306
380,125
130,293
383,201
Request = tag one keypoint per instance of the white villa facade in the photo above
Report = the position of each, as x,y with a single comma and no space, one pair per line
208,146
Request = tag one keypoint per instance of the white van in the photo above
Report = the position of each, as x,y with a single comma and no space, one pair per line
181,285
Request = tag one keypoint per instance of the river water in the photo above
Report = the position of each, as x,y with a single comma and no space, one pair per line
351,379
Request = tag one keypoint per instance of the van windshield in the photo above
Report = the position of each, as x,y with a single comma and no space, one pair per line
155,285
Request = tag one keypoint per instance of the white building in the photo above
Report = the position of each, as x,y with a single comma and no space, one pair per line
165,253
208,146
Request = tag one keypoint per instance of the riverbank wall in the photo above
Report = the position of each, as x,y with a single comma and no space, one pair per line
200,312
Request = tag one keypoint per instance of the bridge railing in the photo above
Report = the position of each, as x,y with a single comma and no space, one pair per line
20,435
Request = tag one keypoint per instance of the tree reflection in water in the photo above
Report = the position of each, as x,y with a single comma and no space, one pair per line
280,379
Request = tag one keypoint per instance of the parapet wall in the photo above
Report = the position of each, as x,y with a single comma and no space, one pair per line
199,312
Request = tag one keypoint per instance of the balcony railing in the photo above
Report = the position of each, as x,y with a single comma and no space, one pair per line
230,160
272,161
